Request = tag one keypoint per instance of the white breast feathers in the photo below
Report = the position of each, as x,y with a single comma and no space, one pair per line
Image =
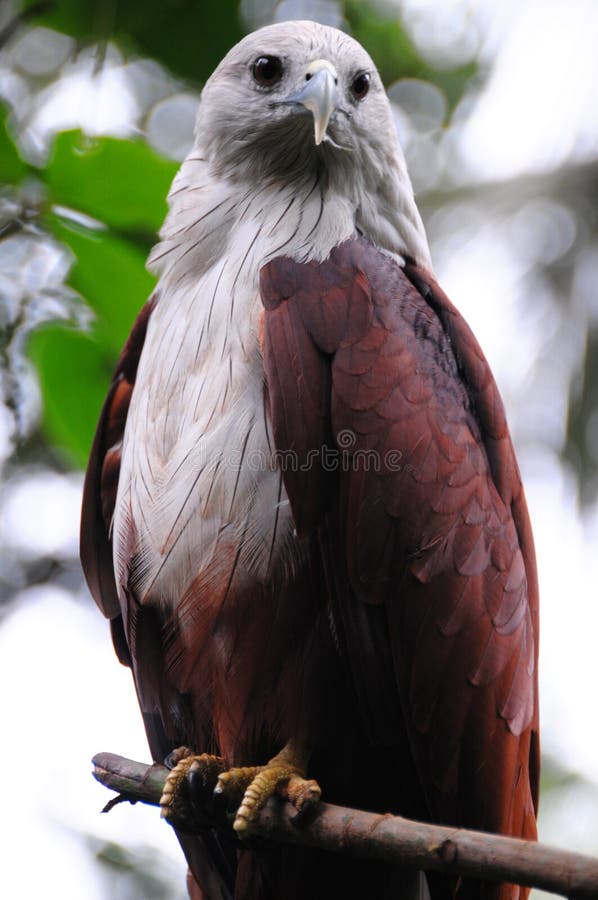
198,475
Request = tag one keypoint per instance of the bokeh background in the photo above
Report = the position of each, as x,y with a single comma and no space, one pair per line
495,104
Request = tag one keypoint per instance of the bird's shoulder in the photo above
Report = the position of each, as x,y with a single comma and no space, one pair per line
376,350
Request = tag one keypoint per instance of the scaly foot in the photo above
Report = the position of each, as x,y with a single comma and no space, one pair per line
282,776
194,779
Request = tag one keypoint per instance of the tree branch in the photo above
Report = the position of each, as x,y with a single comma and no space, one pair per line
391,838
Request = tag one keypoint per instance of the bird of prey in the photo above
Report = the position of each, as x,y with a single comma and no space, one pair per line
303,514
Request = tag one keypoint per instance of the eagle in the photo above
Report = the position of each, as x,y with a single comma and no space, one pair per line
302,513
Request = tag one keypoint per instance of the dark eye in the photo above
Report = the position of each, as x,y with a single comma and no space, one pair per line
267,70
360,85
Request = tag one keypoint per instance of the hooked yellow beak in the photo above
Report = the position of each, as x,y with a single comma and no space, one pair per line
319,95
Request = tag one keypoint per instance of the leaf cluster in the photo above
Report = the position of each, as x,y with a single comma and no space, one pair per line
103,199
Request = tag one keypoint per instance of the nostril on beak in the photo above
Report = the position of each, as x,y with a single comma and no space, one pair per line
309,76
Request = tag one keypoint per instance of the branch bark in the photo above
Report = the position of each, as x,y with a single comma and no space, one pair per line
391,838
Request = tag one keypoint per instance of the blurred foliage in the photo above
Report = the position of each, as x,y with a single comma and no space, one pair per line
12,167
581,448
189,36
133,873
396,56
121,183
75,367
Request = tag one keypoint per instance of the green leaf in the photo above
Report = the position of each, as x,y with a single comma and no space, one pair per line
396,56
71,16
109,272
12,167
122,183
74,372
74,367
190,37
386,41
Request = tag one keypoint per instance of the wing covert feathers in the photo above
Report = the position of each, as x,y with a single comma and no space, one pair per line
369,364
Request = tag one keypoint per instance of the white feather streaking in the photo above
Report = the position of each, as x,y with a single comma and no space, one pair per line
197,474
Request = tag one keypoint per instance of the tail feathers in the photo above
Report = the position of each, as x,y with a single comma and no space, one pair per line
415,885
210,876
290,873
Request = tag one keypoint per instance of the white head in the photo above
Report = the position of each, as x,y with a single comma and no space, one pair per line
299,102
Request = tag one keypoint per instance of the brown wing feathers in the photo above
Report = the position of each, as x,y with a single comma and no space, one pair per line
431,511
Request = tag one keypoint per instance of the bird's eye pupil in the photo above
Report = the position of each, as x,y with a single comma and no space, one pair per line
360,85
267,70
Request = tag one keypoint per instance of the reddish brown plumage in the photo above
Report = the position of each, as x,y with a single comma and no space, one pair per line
426,516
402,645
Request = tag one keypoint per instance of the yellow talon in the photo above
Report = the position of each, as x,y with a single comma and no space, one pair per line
282,776
253,786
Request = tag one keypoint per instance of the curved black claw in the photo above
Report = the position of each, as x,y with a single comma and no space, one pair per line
186,800
203,777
